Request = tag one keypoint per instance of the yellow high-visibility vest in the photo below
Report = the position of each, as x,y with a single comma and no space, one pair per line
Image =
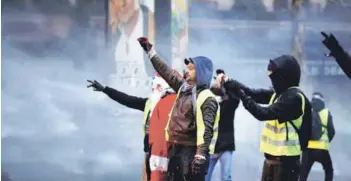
323,142
281,139
203,95
146,115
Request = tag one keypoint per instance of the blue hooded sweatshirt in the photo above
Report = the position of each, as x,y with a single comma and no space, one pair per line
204,70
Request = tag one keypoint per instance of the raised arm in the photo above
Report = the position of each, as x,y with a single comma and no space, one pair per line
344,61
160,65
165,71
337,51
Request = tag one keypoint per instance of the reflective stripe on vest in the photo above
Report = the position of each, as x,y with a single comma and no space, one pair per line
146,115
200,122
203,95
281,139
323,142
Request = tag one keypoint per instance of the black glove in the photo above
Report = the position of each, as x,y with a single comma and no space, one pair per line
220,71
332,44
96,85
199,166
144,42
236,89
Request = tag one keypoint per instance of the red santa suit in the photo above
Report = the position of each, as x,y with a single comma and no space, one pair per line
157,140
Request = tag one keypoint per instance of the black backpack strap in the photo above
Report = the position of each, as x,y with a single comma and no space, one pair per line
300,92
296,129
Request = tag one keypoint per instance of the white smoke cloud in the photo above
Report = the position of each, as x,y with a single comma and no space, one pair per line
54,128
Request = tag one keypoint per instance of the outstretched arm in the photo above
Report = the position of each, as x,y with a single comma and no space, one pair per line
261,96
287,108
125,99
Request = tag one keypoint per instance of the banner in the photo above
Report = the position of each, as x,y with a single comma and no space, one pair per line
129,20
179,33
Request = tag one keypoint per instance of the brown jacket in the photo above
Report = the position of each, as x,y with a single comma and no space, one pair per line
182,126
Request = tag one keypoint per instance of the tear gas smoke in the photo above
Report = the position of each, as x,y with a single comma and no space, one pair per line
54,128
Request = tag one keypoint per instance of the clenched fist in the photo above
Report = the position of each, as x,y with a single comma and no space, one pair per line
144,42
199,166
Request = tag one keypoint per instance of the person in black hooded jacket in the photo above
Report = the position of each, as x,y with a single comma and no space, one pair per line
225,144
287,117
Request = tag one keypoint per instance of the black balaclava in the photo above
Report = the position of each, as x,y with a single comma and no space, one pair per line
317,101
286,73
276,78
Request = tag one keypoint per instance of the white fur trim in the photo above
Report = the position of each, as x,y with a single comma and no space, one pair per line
154,98
151,53
160,81
158,163
200,156
219,99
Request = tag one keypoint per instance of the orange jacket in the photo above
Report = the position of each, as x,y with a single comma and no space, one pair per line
157,139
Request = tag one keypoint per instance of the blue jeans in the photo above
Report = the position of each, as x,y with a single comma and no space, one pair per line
225,158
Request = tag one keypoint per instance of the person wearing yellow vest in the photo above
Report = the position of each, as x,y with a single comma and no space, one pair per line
322,133
287,117
159,89
192,128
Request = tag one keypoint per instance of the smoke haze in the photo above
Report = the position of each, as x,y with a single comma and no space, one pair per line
54,128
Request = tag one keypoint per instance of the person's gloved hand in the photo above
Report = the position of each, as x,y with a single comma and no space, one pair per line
144,42
331,43
221,78
235,87
95,85
220,71
199,165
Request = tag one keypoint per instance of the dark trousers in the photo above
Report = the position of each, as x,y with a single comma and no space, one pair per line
282,170
179,166
315,155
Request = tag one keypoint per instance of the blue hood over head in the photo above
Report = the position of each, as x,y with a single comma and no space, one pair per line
204,70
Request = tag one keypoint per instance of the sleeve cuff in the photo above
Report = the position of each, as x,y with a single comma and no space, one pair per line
200,157
106,89
226,78
151,53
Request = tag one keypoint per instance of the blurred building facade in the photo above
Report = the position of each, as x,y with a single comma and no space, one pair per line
239,35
